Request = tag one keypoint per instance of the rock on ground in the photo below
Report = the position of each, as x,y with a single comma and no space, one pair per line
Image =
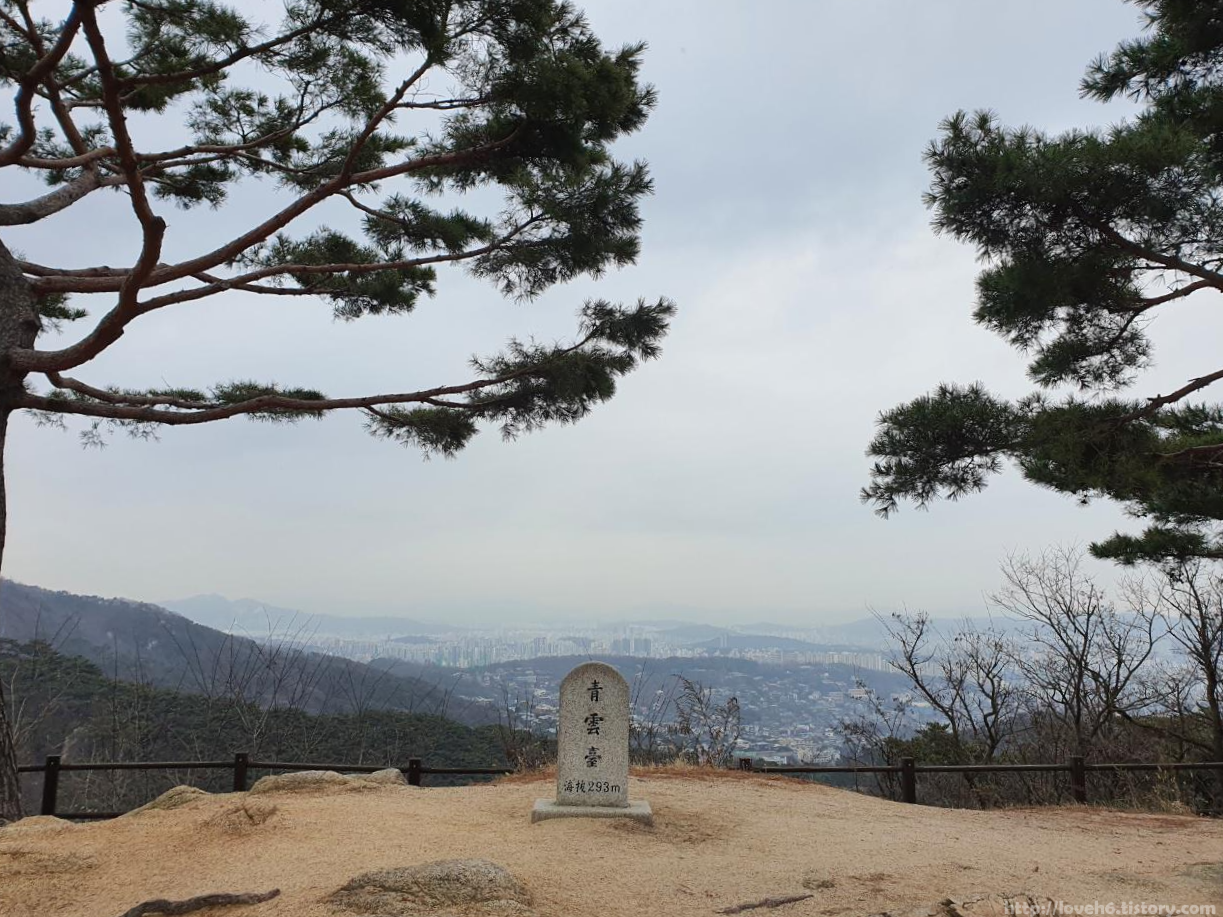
320,781
437,889
390,776
172,798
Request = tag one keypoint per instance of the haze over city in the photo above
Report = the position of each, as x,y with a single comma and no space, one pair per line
721,483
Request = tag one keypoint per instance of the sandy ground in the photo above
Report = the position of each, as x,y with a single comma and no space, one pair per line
715,843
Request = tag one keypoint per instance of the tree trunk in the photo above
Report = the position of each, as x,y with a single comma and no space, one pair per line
10,790
19,326
1214,708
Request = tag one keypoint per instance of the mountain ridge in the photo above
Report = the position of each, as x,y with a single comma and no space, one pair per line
146,643
254,616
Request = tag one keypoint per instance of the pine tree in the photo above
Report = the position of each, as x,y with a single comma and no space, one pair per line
380,107
1087,236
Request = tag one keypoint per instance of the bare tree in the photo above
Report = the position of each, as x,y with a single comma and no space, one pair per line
968,678
870,735
1192,611
1080,670
1081,678
525,748
707,730
1187,599
248,682
650,712
24,717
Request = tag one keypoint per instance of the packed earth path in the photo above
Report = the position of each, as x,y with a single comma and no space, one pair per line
720,841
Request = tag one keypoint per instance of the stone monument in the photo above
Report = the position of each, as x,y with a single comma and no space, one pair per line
592,749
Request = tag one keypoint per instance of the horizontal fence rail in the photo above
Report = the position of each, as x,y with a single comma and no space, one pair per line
415,771
908,769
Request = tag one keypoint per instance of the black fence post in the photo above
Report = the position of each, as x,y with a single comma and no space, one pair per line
241,761
50,785
414,766
908,780
1078,779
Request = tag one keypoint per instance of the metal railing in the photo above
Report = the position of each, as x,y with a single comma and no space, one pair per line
415,771
908,769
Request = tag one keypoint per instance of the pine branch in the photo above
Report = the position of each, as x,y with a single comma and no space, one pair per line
103,280
142,408
153,228
224,63
68,384
354,153
110,280
111,406
24,101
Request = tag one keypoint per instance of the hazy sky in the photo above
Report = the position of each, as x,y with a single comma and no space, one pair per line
722,482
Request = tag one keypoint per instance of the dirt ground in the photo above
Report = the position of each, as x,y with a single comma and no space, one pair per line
716,843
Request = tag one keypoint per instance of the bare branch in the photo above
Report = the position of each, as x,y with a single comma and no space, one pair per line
1187,290
1159,401
1193,453
198,903
765,902
70,162
1163,259
61,198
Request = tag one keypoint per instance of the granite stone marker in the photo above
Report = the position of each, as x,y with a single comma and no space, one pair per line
592,749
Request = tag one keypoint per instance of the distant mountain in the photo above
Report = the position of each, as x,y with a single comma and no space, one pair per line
135,641
861,634
869,633
758,642
255,618
655,623
693,633
873,633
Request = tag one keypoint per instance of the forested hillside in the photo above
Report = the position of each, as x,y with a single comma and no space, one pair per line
68,706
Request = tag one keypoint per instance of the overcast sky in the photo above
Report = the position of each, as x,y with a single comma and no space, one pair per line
721,484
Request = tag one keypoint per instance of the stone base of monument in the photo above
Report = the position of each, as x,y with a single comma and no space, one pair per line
638,811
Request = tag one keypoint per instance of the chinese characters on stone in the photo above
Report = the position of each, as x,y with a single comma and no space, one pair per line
590,786
593,720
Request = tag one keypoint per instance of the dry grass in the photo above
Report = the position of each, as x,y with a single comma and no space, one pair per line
718,841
